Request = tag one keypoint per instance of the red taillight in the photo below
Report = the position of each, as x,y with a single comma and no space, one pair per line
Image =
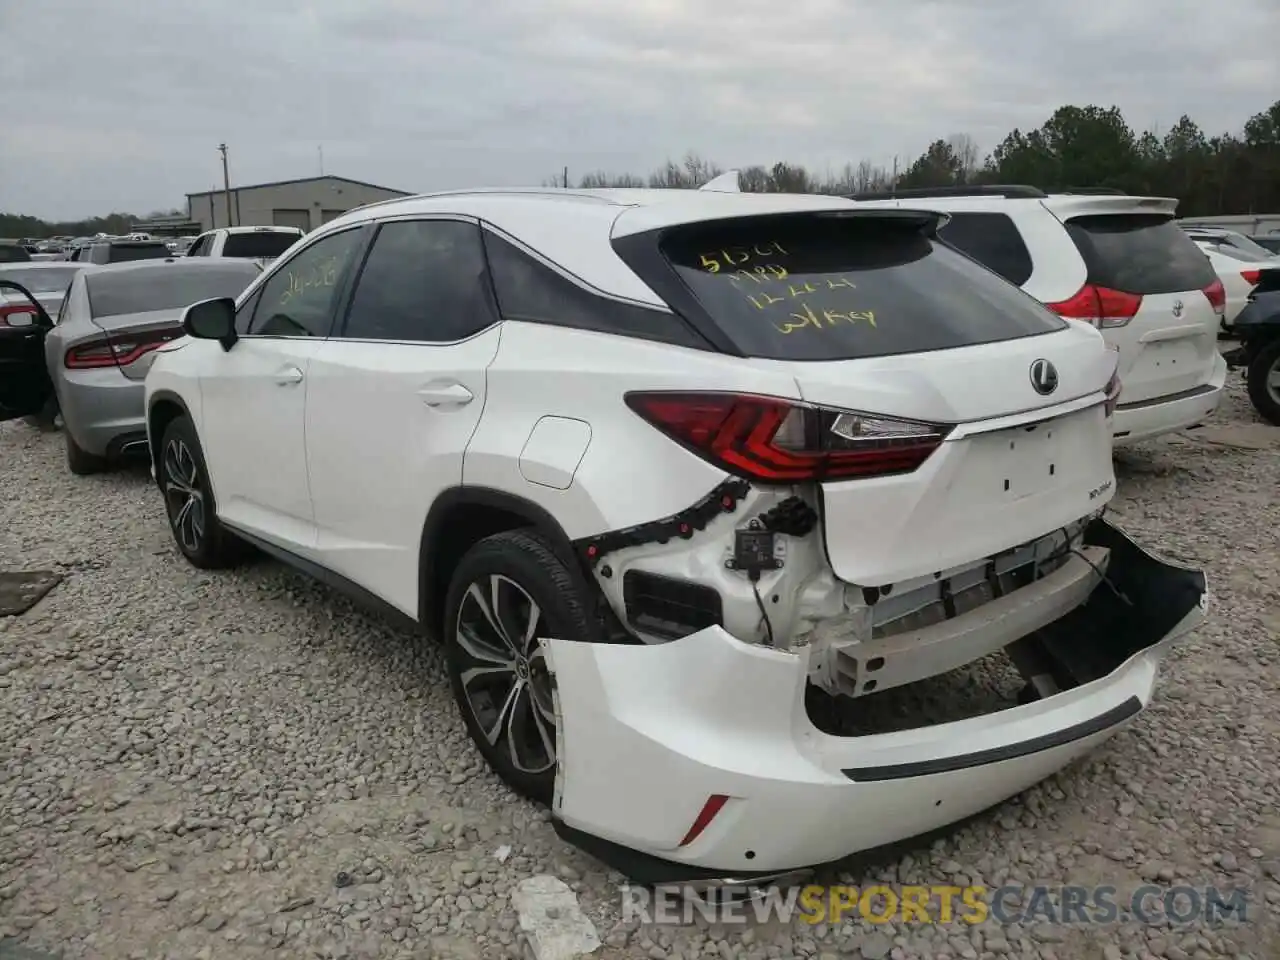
1251,277
715,803
17,311
782,441
1099,306
121,351
1217,295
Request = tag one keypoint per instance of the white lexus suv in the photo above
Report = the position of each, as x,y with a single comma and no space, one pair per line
676,477
1120,263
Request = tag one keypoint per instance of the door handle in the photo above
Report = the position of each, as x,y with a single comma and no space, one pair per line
445,394
288,377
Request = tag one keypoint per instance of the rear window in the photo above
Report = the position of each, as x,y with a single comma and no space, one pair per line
50,280
168,287
124,252
993,240
1140,253
266,244
832,288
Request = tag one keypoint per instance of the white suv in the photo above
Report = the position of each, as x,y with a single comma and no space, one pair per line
674,477
1118,262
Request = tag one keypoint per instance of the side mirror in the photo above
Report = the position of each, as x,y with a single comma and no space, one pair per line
14,317
212,320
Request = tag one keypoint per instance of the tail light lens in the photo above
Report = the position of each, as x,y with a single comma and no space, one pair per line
1217,295
1251,277
781,441
121,351
18,315
1100,306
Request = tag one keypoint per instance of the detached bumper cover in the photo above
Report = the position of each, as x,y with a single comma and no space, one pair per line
649,733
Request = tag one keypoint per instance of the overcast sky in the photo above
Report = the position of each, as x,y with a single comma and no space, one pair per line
121,105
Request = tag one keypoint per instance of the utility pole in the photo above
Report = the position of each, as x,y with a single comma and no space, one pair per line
226,180
566,178
895,173
320,150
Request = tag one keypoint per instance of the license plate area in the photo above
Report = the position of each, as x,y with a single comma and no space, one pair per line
1019,462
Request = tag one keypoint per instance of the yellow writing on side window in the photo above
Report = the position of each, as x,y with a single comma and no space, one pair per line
323,274
807,319
731,258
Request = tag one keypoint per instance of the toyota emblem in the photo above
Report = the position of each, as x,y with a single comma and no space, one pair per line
1044,377
1177,308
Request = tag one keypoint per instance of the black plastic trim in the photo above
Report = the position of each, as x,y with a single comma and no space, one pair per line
341,584
1169,398
474,496
1012,191
679,526
161,396
1011,751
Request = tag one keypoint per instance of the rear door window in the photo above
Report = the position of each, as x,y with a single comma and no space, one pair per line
845,287
267,244
125,252
993,240
1140,253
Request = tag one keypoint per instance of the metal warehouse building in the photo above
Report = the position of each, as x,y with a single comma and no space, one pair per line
290,203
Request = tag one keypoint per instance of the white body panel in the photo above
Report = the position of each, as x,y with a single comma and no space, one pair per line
1230,271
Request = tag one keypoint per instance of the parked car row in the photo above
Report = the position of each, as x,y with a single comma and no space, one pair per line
673,475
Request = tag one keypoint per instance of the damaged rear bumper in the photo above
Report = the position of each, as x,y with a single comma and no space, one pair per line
648,734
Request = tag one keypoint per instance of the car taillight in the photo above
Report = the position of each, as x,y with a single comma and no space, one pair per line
1251,277
17,315
1217,295
1099,306
121,351
783,441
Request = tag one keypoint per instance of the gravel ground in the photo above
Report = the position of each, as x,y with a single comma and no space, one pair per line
189,761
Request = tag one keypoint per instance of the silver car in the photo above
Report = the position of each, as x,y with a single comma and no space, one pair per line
96,356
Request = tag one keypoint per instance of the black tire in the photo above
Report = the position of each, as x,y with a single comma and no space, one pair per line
518,562
80,461
188,501
1266,366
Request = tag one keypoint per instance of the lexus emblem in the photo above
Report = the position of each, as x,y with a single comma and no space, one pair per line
1177,308
1044,377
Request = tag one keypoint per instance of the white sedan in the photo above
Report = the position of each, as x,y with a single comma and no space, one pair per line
1239,274
658,469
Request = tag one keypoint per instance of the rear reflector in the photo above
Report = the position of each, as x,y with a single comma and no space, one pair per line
1217,295
1251,277
1113,388
1099,306
715,803
121,351
772,440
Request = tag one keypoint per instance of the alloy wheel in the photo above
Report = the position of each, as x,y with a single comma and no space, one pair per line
182,495
504,672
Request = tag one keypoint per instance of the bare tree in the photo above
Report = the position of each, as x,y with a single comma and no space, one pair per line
965,151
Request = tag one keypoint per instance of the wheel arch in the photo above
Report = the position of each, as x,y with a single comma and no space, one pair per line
461,517
163,407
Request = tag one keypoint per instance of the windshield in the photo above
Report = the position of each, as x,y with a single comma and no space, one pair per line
168,287
269,243
54,280
828,288
124,252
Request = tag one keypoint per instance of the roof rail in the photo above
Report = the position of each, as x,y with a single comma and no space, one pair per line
1012,191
